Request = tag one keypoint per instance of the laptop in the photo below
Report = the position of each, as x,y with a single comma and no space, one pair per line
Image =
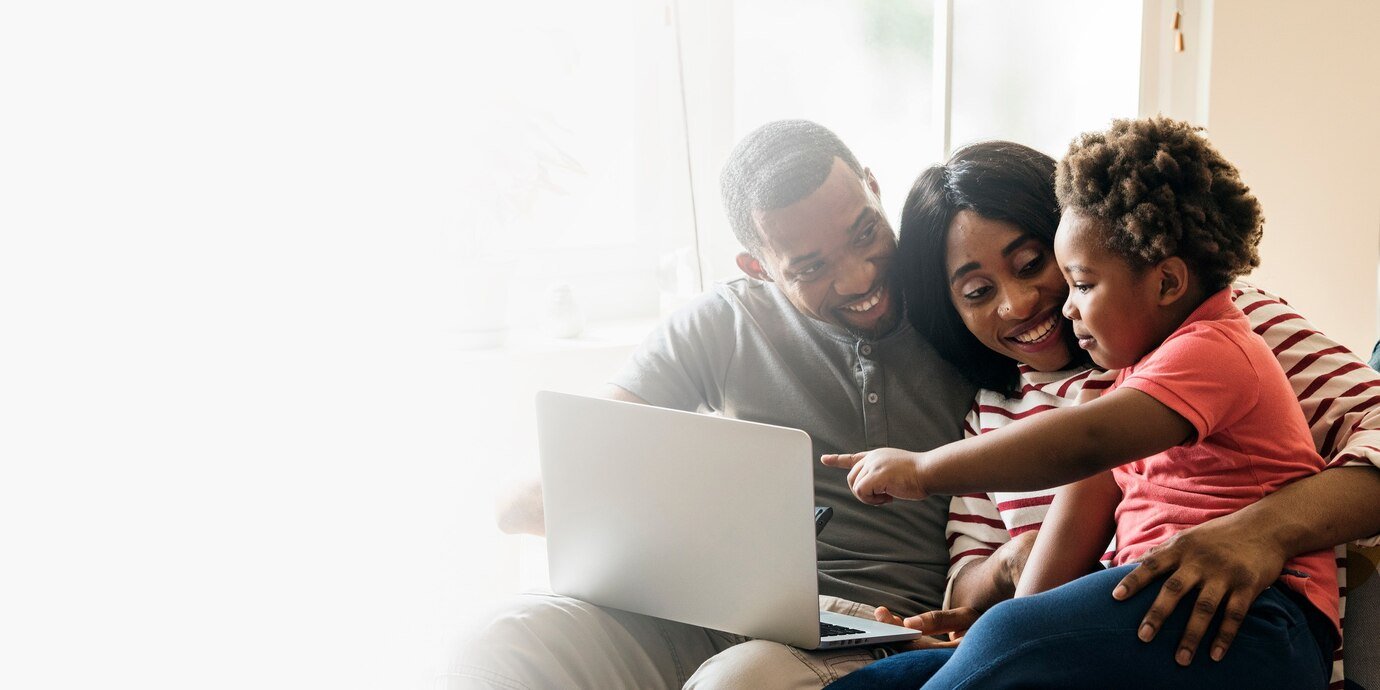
693,518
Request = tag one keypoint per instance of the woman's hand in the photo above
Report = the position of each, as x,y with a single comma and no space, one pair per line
1226,563
954,622
883,475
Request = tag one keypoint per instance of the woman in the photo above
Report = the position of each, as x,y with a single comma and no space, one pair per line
981,284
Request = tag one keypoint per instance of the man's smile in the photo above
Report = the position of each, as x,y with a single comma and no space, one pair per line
864,305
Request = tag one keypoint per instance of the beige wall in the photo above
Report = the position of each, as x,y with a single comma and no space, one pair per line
1293,99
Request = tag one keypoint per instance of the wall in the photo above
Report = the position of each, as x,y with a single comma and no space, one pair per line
1293,101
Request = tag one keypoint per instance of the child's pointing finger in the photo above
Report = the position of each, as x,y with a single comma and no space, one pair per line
841,460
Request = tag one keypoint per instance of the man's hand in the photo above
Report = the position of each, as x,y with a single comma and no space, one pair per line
883,475
954,622
1225,564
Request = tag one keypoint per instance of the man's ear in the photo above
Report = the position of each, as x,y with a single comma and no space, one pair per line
871,181
1173,280
751,266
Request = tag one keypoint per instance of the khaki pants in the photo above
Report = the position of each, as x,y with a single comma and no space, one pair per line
539,641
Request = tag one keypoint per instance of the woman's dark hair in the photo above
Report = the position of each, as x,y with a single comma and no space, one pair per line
998,180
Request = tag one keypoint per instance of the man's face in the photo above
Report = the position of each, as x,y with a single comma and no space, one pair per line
830,253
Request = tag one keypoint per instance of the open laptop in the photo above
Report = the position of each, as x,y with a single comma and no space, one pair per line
689,517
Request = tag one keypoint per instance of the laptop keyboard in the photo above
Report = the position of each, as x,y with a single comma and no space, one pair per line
831,630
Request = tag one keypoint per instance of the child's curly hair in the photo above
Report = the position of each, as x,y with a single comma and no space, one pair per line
1162,190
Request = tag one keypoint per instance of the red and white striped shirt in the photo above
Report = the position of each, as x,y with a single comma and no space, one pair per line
1337,391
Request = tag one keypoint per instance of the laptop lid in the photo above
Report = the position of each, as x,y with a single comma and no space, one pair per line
694,518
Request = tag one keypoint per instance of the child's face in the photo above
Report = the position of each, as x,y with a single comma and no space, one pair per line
1112,306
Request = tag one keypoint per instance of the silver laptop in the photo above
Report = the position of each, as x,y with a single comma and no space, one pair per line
693,518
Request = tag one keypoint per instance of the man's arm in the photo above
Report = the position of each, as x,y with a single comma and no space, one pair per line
1234,558
519,509
1074,535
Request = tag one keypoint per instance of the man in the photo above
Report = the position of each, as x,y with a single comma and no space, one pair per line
813,338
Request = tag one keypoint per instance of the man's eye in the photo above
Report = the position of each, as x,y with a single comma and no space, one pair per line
866,235
809,272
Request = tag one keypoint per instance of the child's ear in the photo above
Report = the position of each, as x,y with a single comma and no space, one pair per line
751,266
1173,275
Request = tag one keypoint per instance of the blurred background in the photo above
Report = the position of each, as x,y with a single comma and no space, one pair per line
278,279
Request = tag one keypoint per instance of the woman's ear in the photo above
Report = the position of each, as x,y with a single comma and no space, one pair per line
751,266
1173,279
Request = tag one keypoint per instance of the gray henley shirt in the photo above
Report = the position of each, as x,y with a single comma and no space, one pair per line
743,351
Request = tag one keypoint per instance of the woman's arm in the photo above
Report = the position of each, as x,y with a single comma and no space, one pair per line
1074,536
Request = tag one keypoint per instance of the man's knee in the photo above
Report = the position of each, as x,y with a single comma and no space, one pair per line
763,664
544,641
527,641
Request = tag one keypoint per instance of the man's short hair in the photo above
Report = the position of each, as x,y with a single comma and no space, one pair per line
775,166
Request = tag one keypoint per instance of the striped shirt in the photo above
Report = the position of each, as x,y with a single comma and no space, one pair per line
1335,389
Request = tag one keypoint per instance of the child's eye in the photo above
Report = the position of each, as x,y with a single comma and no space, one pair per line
1082,288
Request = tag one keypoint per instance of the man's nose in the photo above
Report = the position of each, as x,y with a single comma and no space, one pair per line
856,277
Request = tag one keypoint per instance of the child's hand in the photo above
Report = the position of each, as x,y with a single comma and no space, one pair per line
881,476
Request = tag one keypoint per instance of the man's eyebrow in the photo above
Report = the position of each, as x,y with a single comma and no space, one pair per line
868,214
803,258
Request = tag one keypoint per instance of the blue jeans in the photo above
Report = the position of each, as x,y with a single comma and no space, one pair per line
1078,636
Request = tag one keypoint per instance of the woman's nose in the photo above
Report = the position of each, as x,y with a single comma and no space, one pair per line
1020,303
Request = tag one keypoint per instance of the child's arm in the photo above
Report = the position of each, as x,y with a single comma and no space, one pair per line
1074,535
1050,449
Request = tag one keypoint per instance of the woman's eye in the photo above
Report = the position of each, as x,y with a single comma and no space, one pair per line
978,293
1033,266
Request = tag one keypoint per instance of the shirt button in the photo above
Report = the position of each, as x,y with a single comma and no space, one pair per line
866,350
872,398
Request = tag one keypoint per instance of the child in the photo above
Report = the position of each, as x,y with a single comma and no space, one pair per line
1200,422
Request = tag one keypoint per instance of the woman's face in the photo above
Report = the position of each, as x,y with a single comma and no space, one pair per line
1008,289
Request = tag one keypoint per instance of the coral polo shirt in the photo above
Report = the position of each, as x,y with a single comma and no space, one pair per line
1251,440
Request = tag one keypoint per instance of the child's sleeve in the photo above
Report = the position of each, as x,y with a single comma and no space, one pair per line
1202,374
